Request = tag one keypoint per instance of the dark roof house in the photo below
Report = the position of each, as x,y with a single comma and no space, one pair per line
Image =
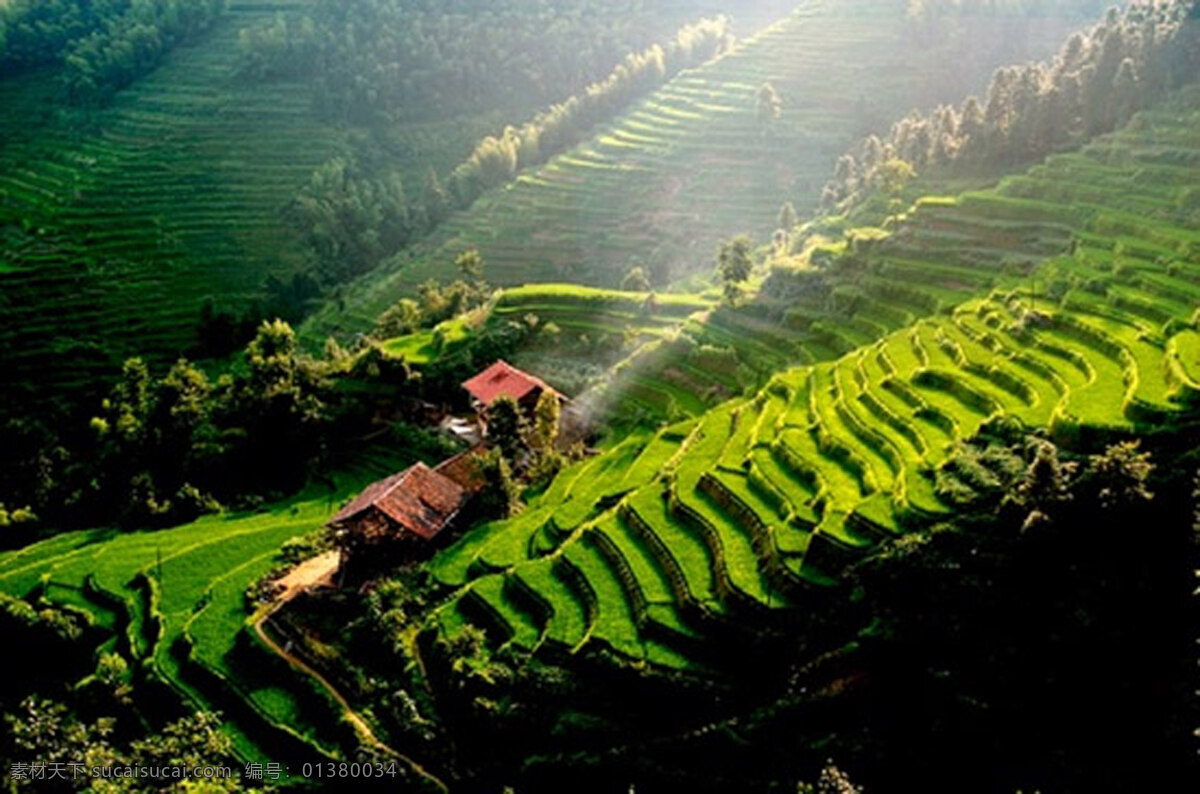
418,502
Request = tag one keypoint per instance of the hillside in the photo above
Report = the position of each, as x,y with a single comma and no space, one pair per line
738,512
120,224
174,602
669,539
906,488
114,233
694,164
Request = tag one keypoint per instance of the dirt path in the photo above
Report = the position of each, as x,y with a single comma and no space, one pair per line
312,573
317,572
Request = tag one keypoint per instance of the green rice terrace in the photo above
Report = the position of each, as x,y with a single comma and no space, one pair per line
733,514
693,163
125,228
730,515
175,604
808,510
129,218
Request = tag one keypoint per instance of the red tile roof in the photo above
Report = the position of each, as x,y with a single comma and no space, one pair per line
503,380
419,499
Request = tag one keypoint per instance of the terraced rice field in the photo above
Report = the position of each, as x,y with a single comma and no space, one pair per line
115,228
692,164
735,513
175,602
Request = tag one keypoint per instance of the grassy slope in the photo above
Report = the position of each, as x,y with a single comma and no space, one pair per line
114,230
183,591
691,164
767,496
124,226
640,550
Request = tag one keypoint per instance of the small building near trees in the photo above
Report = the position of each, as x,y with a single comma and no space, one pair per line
406,512
504,380
402,518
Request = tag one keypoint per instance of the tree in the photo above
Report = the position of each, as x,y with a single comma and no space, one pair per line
1045,486
893,175
271,356
831,781
131,402
401,318
470,264
636,280
787,217
734,265
547,417
768,106
112,673
1118,478
507,427
501,494
47,731
787,221
182,405
182,429
281,403
971,123
17,516
1126,94
351,216
192,741
436,197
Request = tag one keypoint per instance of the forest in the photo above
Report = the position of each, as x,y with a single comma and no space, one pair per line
1095,83
608,396
373,60
103,46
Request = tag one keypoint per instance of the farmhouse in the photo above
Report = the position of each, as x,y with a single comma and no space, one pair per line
408,510
504,380
411,508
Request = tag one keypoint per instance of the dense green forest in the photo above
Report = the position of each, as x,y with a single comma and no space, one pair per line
1096,82
860,454
102,46
371,61
354,211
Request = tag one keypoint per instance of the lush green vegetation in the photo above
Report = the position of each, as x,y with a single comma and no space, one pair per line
121,225
903,486
162,449
102,47
1098,80
178,601
1080,326
353,217
207,195
369,60
696,161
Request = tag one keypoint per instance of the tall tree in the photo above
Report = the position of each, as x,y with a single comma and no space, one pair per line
400,319
787,217
547,417
437,198
734,265
507,427
281,404
768,106
470,264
